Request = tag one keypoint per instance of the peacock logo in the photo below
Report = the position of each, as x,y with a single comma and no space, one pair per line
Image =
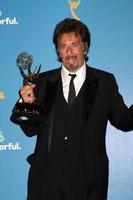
2,138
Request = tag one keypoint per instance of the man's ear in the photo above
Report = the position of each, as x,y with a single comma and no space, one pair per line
85,47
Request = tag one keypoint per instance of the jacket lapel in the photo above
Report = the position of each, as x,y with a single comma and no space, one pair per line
51,89
91,86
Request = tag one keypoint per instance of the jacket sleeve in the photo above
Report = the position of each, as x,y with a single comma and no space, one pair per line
120,115
31,130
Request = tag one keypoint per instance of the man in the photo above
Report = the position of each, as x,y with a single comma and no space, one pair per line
70,160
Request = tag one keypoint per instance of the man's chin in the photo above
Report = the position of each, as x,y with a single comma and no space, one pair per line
72,67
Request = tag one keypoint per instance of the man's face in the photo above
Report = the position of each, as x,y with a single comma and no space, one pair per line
71,50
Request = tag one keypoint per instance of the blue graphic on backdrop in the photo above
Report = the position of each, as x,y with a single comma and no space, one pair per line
8,146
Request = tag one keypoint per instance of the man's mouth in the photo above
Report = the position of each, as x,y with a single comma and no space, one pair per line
71,58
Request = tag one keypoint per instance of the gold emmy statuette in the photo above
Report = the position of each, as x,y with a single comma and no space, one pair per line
27,113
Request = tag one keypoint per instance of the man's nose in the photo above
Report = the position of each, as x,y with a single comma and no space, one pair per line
69,50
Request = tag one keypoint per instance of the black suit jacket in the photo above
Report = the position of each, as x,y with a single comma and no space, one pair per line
103,102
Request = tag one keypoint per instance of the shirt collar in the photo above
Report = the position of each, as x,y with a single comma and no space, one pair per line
80,73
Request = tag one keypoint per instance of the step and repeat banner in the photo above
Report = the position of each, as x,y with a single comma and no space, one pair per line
28,26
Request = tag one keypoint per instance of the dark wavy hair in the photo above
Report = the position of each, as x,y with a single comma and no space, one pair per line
72,25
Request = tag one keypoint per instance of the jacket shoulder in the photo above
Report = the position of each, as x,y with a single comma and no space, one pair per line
48,75
100,71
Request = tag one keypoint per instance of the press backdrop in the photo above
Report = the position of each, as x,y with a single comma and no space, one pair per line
28,26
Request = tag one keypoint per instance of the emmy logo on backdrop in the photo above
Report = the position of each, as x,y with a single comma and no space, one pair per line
73,6
27,113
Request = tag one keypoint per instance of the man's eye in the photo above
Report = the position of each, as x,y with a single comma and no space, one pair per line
62,47
75,45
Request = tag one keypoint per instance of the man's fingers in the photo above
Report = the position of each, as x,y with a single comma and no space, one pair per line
27,93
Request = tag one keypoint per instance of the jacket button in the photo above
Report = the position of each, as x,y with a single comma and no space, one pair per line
66,138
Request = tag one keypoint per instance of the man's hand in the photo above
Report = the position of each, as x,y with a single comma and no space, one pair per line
27,94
